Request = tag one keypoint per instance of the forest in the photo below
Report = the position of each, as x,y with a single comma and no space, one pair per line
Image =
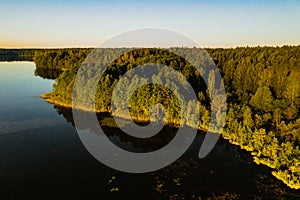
262,89
17,54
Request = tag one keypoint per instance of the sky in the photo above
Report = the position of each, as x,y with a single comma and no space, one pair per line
67,23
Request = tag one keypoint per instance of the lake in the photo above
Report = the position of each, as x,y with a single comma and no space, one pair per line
42,157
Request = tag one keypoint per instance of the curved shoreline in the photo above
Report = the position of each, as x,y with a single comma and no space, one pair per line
47,97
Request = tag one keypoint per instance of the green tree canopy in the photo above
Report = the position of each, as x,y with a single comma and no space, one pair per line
262,100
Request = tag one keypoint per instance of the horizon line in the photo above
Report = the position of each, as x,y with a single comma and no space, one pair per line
207,47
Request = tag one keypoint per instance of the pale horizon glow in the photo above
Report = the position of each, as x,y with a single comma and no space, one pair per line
66,24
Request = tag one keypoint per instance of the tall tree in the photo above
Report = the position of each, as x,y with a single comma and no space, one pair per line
262,100
292,92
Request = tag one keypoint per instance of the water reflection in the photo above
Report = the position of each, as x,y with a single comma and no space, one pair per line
226,173
118,137
47,73
21,108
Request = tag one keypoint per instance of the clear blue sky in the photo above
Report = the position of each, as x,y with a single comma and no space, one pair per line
88,23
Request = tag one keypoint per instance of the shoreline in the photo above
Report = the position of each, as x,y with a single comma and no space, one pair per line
48,99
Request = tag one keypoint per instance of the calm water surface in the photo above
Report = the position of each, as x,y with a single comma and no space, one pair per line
42,157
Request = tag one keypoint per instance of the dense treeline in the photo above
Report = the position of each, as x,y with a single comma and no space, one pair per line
264,90
263,95
59,59
17,54
144,97
47,73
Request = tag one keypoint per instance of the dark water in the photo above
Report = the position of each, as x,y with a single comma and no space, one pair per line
42,157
